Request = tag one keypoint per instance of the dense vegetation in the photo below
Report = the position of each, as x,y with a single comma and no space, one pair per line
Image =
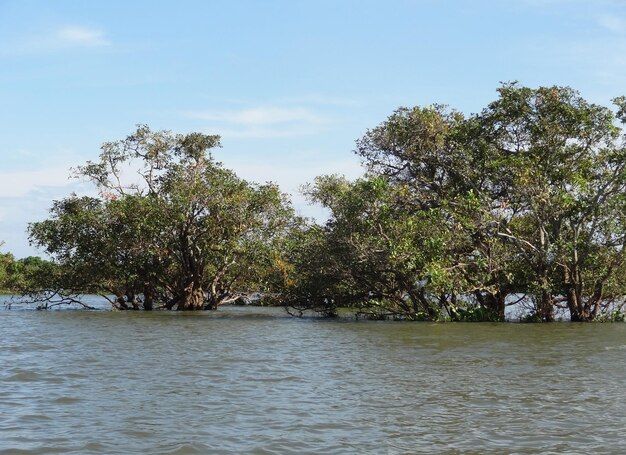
188,235
456,217
19,275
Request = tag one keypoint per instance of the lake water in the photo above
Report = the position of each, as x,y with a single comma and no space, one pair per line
255,381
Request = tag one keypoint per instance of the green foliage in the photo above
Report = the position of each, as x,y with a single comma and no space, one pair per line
371,254
189,235
6,260
454,214
566,161
472,313
532,318
612,316
18,275
527,196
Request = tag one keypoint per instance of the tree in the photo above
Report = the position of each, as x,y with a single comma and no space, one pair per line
435,154
566,212
308,275
189,234
18,276
536,182
6,259
372,254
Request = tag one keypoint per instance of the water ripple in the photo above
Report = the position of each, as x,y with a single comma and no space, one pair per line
246,380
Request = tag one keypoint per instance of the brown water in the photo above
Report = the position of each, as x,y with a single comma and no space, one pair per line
251,380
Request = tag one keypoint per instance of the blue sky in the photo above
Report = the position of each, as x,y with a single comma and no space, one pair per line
289,85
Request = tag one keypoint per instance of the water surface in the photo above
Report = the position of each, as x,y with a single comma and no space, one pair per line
253,380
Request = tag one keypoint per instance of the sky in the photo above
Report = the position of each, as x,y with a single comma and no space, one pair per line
288,84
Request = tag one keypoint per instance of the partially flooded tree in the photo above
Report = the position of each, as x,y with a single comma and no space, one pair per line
17,275
536,182
187,234
564,160
372,255
435,155
308,275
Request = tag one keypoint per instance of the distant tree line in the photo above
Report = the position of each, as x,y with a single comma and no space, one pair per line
455,218
19,275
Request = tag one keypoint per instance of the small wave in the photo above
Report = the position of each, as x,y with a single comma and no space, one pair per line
94,447
27,418
187,449
15,451
32,376
613,348
75,376
24,376
66,400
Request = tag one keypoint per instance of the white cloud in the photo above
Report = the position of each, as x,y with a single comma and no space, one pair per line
82,36
611,23
26,196
55,40
262,122
259,132
17,184
291,172
337,101
260,116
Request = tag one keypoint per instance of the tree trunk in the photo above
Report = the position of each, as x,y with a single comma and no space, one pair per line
572,304
546,310
426,306
580,310
132,299
121,303
212,303
148,299
496,304
192,298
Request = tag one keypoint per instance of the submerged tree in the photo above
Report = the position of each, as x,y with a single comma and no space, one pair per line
188,234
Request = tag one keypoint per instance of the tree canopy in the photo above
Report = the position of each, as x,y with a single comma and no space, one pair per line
465,214
188,234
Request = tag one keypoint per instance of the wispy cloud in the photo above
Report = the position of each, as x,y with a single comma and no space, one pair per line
26,196
82,36
21,183
612,23
324,100
257,132
260,116
262,122
55,40
290,172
